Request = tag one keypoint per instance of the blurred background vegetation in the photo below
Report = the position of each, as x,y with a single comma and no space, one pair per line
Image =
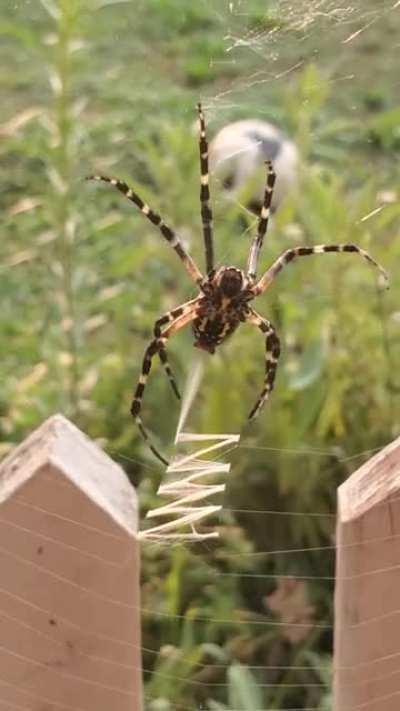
110,85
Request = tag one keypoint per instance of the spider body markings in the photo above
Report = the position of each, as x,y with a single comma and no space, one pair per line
221,307
224,294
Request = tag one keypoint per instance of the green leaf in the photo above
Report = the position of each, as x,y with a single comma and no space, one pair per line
105,3
243,692
310,367
385,128
27,37
52,9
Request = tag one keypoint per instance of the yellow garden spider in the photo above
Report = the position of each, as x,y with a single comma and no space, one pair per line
225,293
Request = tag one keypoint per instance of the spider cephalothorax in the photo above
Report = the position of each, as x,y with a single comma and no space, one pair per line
230,281
224,294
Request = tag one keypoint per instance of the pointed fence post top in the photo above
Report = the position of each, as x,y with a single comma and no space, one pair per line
367,589
375,481
59,443
70,561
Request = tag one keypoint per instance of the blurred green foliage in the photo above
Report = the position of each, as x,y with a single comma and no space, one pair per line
111,86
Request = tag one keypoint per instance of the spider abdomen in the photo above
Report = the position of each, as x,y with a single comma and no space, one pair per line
213,325
209,332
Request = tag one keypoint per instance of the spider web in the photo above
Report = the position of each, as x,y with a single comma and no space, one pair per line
338,39
331,34
341,41
274,45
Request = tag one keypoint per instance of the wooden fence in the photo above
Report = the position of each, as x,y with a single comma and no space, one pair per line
367,597
69,590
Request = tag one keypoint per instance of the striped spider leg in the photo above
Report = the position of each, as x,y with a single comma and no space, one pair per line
177,245
177,318
290,254
169,234
206,212
262,227
162,321
272,353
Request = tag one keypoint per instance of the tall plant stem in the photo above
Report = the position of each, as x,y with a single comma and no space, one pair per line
64,215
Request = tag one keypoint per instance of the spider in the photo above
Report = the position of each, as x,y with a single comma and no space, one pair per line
225,293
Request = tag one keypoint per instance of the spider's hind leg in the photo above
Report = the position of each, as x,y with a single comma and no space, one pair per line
163,321
272,353
162,353
136,405
178,318
164,360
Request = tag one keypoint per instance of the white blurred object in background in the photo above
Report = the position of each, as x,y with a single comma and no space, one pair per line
238,152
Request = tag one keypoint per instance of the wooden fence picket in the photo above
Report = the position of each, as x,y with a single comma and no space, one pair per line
69,589
367,597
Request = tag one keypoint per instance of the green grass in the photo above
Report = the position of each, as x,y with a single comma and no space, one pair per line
112,86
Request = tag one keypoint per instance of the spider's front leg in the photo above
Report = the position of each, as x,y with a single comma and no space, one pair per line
157,345
257,243
272,353
290,254
206,212
169,234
